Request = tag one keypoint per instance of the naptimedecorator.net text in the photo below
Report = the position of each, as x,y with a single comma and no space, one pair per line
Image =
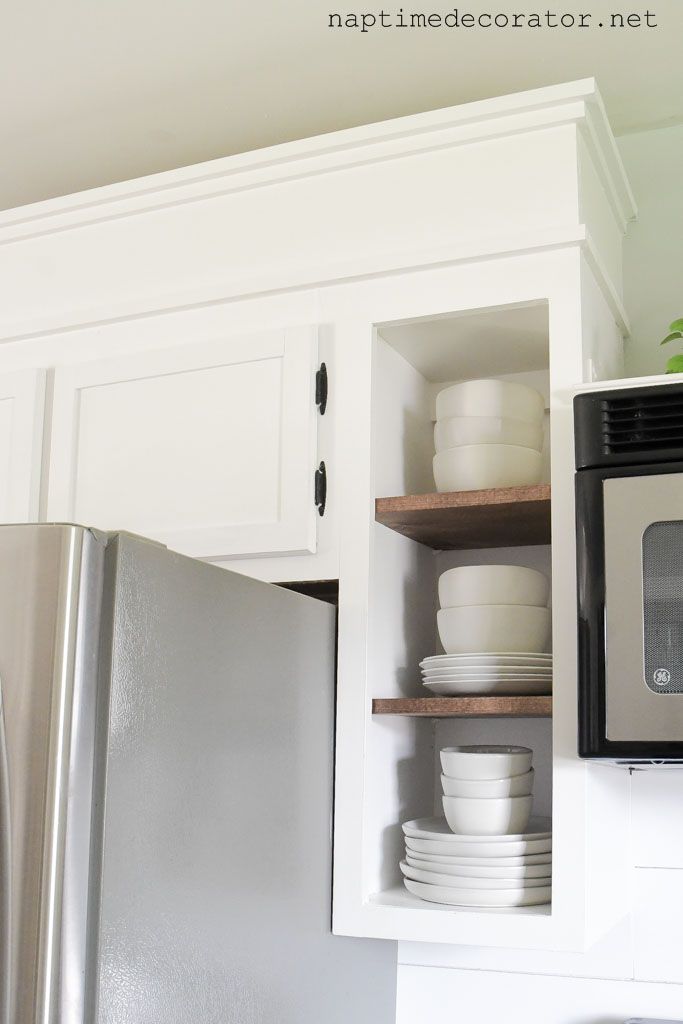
459,18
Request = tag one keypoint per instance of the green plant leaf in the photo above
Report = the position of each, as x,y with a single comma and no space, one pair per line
677,325
675,364
672,337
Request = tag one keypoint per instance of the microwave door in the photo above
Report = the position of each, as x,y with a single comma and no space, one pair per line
643,524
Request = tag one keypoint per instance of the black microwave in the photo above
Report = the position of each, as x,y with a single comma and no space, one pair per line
629,525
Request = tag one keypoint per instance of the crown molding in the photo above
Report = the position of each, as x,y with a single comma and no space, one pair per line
572,103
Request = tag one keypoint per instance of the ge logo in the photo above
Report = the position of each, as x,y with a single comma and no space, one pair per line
662,676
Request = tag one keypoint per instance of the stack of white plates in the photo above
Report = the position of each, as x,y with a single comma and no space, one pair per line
478,871
450,675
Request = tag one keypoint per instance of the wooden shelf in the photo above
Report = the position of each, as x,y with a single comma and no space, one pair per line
465,707
502,517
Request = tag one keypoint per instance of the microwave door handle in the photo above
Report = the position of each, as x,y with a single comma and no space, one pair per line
5,875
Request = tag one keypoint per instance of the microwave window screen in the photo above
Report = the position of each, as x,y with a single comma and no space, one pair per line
663,607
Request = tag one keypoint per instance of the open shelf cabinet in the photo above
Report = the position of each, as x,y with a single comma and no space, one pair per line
403,343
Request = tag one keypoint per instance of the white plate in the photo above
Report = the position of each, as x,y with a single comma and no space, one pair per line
470,867
477,678
484,658
482,848
488,670
437,828
526,897
480,680
452,881
522,860
447,674
519,687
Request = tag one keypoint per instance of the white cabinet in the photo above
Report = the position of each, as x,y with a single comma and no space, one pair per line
480,241
22,399
209,448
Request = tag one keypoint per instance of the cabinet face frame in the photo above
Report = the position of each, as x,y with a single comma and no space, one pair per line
294,528
25,390
582,831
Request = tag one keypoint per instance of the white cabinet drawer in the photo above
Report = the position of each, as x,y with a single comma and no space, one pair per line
209,448
22,402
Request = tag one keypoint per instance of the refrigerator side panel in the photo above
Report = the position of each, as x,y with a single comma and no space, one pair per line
216,872
49,597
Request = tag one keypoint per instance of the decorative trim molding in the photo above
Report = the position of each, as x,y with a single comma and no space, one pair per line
603,150
360,268
606,286
574,102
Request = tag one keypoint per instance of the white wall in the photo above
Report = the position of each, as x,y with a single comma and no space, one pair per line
636,970
653,255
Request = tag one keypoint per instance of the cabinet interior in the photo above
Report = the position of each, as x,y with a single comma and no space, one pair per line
412,361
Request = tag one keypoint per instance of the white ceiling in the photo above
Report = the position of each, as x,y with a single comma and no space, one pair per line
95,91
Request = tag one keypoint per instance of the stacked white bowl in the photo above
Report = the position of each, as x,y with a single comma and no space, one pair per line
486,853
487,790
493,608
488,433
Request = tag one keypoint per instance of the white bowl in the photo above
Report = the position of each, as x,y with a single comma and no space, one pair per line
468,816
493,584
481,761
494,627
486,789
458,430
476,467
499,398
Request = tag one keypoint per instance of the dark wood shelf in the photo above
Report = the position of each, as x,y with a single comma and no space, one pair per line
465,707
497,518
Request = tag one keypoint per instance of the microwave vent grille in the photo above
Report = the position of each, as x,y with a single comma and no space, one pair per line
649,422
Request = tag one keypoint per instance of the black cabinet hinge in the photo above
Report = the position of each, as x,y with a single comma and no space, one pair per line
321,390
320,489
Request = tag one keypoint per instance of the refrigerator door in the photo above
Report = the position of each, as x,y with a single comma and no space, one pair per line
50,582
217,789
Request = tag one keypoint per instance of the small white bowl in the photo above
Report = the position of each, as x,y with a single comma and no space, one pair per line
488,628
486,789
459,430
493,584
498,817
476,467
501,398
481,761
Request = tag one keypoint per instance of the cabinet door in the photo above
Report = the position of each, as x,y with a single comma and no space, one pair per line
22,400
209,448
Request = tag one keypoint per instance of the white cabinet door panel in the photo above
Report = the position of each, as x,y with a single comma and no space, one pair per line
209,448
657,910
22,401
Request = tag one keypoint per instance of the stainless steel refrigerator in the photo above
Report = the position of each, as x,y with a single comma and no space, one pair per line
166,763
